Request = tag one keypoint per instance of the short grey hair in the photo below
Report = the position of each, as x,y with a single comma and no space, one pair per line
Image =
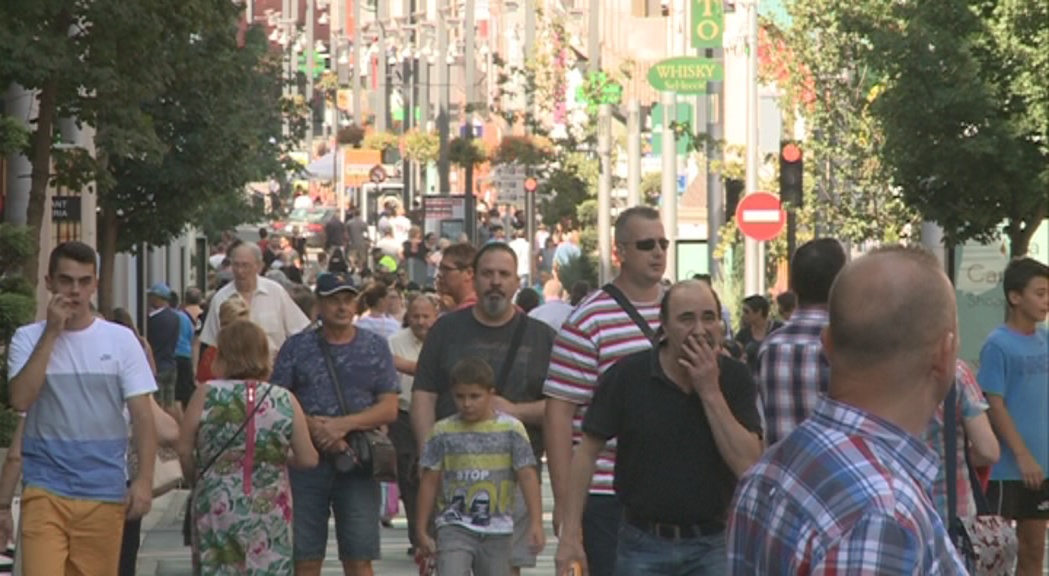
251,246
645,212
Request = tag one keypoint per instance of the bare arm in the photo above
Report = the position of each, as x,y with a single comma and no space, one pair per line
983,444
528,479
303,453
582,471
187,441
143,430
381,413
740,447
557,438
527,412
25,387
165,424
8,482
428,485
403,365
423,413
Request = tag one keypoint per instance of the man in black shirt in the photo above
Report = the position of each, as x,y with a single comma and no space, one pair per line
687,426
486,330
162,331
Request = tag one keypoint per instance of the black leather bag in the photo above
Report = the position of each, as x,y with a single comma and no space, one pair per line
369,452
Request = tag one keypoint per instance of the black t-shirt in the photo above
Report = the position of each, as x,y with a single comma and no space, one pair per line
668,467
162,331
458,335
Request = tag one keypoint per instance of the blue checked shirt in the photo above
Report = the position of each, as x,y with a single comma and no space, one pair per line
793,373
845,493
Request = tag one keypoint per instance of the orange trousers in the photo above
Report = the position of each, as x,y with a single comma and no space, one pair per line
69,536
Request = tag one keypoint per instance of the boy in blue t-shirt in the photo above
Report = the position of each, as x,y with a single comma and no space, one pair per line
475,457
1014,374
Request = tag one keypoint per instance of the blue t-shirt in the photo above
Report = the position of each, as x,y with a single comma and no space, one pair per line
1016,367
184,347
364,368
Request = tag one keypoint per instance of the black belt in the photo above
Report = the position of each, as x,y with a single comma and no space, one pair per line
675,530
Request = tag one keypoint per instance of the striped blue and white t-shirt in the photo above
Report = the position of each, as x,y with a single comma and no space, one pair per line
76,435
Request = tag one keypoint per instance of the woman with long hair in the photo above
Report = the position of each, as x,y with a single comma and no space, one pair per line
373,311
239,435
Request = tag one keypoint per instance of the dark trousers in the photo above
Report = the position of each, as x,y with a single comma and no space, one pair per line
129,547
407,468
601,520
184,380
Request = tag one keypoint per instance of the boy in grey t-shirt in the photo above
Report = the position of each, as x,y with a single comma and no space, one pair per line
475,457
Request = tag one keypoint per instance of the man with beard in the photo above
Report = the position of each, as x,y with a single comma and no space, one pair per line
515,346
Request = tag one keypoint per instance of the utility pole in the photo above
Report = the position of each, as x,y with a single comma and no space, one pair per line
471,72
754,268
593,47
309,76
604,192
357,40
669,187
633,153
715,203
443,166
383,94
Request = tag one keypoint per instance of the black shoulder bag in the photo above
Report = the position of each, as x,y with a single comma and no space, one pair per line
369,452
630,309
236,434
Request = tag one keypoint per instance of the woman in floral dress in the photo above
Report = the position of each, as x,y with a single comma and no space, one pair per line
239,434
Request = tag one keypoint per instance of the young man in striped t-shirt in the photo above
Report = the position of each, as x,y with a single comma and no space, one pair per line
598,333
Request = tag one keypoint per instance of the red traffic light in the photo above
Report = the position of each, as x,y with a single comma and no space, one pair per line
791,153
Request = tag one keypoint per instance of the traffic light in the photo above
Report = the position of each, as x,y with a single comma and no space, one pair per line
791,167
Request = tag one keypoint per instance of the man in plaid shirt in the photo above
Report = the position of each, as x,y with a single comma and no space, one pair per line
793,372
847,492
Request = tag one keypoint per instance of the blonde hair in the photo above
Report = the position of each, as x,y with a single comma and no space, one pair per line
233,309
244,351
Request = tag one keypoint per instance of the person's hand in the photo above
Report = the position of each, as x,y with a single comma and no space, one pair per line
1030,471
7,528
537,537
327,433
59,309
139,499
503,405
700,361
570,554
427,547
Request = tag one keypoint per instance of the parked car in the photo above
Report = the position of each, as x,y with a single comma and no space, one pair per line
305,223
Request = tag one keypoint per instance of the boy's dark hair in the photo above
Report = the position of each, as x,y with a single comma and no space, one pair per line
757,303
1019,273
474,371
787,301
71,250
813,268
527,299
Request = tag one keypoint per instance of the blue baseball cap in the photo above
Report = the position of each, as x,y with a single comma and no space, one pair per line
160,289
329,283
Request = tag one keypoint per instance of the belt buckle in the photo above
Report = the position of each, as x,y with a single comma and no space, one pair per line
667,531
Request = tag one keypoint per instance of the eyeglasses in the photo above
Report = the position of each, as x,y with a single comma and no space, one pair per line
442,269
649,244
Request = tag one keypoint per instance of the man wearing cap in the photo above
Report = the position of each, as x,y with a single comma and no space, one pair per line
162,332
364,373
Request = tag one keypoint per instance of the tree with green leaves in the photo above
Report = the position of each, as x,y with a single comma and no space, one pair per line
945,103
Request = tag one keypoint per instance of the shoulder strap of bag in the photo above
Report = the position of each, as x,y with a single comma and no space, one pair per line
229,442
983,507
326,351
950,455
630,309
511,352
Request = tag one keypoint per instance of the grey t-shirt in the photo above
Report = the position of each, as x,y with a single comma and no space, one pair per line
459,335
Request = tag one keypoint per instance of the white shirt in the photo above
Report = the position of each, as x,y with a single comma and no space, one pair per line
404,344
384,325
552,313
271,308
524,259
303,201
401,226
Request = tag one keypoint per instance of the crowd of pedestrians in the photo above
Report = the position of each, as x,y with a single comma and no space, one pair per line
834,431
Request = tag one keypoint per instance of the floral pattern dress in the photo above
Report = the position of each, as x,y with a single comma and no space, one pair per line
242,505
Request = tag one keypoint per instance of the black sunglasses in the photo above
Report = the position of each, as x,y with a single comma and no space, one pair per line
649,244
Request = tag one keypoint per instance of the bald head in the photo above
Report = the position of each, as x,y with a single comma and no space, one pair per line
890,307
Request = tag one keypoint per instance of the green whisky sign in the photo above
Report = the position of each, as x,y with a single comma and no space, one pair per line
685,75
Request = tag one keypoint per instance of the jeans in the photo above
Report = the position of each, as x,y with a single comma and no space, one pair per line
642,554
320,493
601,520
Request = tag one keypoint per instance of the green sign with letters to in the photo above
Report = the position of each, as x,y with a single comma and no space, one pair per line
685,75
708,23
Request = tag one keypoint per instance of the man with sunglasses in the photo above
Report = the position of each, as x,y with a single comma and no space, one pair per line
612,323
455,276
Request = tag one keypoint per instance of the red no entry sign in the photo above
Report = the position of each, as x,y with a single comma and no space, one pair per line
760,216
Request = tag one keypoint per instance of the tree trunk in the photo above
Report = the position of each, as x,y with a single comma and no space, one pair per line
108,255
41,176
1021,230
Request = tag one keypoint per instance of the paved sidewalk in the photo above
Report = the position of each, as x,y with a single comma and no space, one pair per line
162,552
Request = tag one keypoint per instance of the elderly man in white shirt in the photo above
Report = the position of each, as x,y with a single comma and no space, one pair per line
272,308
406,344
